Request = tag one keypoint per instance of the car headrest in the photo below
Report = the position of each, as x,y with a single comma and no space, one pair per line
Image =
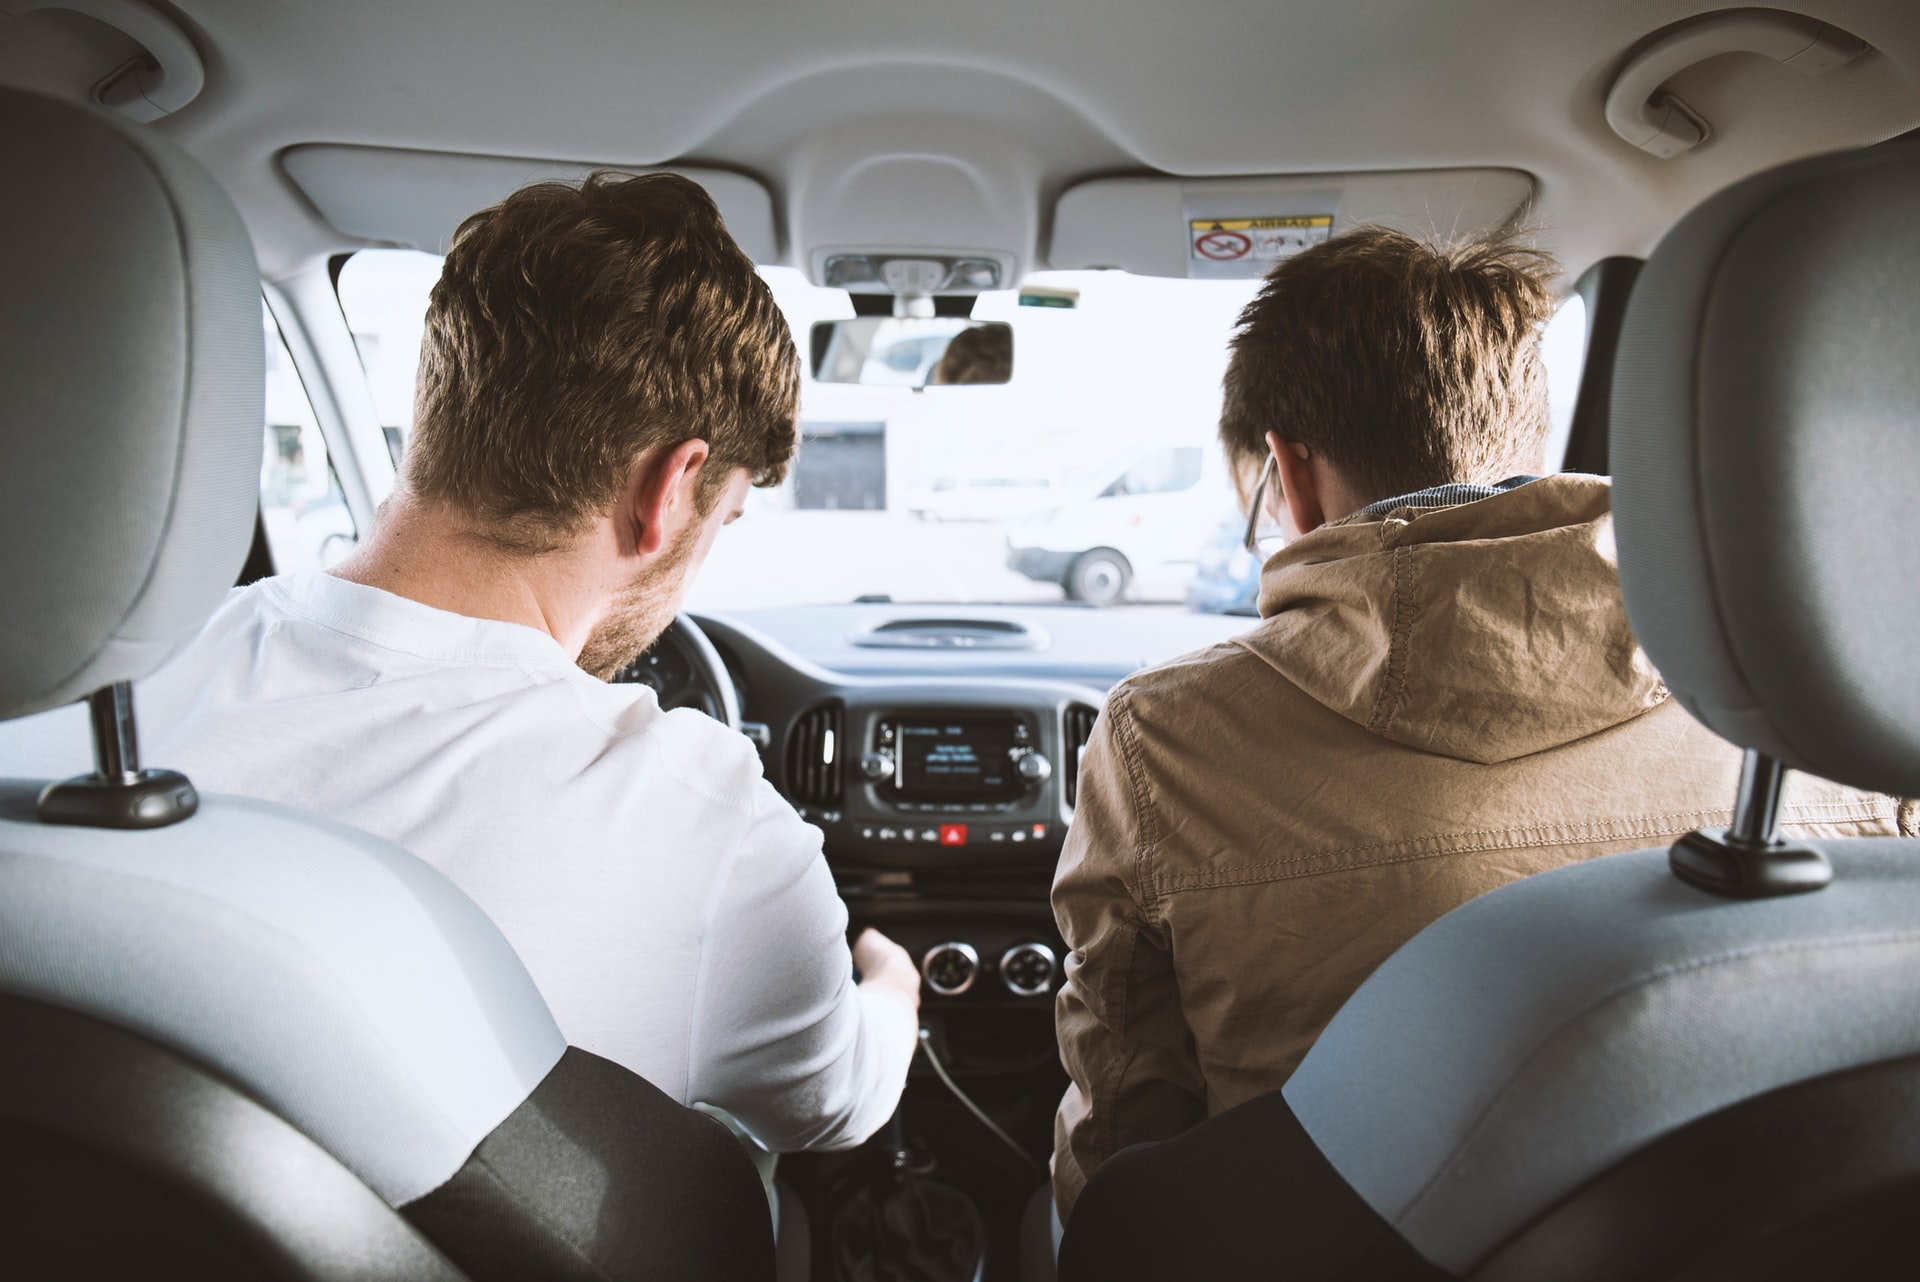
1766,451
131,390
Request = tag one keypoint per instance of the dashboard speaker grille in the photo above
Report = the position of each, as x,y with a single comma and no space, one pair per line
1078,725
816,747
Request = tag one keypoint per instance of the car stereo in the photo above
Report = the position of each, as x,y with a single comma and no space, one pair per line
941,759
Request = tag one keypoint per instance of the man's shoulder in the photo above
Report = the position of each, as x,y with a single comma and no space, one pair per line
711,758
1225,666
383,678
1186,708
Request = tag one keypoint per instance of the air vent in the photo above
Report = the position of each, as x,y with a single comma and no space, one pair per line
953,634
1078,725
815,747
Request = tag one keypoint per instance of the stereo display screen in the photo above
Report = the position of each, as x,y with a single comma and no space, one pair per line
949,758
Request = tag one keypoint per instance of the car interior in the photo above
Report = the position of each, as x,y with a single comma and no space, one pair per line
237,1040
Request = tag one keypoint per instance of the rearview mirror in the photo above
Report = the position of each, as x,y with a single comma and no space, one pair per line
908,351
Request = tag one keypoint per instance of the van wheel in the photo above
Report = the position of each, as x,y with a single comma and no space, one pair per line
1099,577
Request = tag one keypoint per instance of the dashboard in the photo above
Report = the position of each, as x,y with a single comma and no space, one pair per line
938,755
943,776
937,749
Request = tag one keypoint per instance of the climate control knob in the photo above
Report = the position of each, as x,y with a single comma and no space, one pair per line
1035,768
950,968
877,765
1028,969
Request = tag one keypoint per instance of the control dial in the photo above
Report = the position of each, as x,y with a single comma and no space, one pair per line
877,765
1028,969
950,968
1034,768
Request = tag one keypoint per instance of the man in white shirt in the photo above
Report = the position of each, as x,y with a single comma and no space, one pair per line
603,375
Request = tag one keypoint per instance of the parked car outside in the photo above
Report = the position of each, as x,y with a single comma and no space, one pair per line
1135,535
1227,580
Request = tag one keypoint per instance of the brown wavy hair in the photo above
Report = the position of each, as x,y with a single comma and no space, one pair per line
575,328
1404,364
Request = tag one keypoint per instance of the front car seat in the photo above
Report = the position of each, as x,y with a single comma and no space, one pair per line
236,1040
1698,1063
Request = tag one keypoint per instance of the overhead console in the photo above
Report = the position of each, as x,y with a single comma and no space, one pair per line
1237,228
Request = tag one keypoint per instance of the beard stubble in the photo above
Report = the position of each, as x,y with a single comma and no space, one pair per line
640,613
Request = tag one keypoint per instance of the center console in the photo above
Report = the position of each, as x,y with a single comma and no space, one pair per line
957,779
943,805
959,783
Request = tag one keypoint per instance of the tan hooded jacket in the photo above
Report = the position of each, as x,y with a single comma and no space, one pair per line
1433,704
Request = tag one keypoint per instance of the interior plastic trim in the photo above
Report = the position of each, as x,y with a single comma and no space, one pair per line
1660,124
171,76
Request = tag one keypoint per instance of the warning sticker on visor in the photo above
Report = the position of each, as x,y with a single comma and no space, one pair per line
1262,240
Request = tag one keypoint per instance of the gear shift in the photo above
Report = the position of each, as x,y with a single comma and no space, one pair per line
906,1227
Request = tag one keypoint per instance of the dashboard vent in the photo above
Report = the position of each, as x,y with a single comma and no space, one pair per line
815,748
1078,723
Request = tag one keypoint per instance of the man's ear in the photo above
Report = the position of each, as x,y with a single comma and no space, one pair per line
1299,483
661,495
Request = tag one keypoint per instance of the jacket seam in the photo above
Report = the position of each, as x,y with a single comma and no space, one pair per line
1140,800
696,998
1400,852
1386,704
1108,1127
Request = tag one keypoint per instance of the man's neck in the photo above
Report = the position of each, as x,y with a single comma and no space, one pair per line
431,553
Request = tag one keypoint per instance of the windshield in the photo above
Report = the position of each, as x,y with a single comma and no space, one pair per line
1093,475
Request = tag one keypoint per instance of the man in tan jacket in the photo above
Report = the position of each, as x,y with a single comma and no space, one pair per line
1443,695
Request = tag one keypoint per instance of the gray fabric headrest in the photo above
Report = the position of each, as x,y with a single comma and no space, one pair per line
1766,448
131,389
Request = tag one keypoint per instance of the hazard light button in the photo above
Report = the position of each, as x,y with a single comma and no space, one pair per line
953,834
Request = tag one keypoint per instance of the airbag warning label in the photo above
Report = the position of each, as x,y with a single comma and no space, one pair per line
1261,240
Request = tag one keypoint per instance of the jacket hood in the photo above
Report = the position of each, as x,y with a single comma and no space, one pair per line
1484,631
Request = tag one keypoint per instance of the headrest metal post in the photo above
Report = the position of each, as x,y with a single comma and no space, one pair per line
118,794
1749,860
1756,811
116,744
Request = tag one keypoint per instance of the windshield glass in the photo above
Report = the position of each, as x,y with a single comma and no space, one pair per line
1092,475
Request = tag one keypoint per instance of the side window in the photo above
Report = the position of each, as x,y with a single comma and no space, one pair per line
1163,473
1185,472
383,294
301,503
1563,350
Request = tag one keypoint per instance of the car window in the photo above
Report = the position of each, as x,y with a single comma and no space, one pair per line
1166,472
301,504
934,496
915,495
383,294
1563,350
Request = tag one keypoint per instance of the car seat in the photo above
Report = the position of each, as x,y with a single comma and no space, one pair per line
1693,1063
237,1040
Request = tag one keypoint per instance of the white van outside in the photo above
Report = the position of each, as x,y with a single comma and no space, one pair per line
982,498
1136,534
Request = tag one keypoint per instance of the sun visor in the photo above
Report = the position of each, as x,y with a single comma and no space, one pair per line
418,198
1235,228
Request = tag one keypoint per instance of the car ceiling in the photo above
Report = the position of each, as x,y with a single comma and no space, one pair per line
1019,99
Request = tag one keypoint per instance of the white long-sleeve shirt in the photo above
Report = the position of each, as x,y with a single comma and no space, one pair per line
675,912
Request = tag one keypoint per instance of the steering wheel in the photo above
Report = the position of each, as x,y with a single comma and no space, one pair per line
685,671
